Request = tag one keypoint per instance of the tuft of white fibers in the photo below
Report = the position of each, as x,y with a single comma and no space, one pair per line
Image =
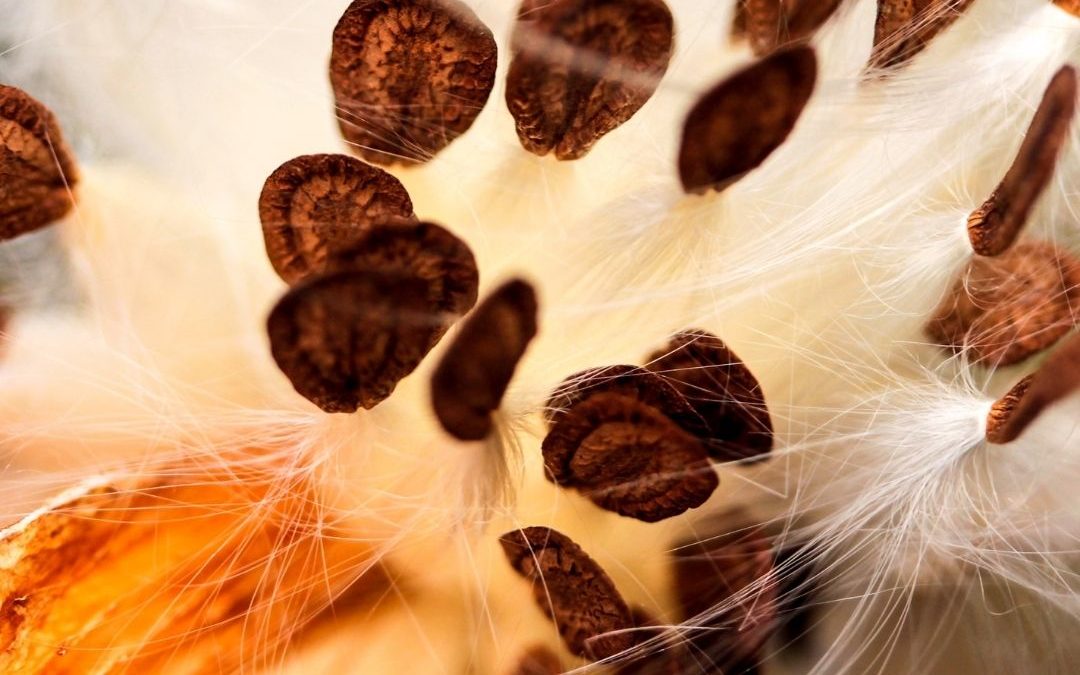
932,550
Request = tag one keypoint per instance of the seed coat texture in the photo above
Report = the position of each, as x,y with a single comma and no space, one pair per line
772,24
1058,378
905,27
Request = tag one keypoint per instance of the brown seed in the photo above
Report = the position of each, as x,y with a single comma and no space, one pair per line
539,660
470,380
345,339
722,390
36,166
905,27
994,226
772,24
409,76
315,206
630,458
1057,378
667,657
1070,6
737,124
1005,309
581,68
573,590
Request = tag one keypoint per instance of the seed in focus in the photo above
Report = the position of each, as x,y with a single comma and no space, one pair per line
905,27
409,76
581,68
1058,378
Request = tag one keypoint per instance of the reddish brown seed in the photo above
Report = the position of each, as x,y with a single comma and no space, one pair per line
470,380
409,76
737,124
772,24
1070,6
581,68
1057,378
722,390
994,226
573,590
37,170
1003,310
538,660
629,458
315,206
905,27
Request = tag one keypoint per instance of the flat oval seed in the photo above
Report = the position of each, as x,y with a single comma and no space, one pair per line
470,380
345,339
736,125
409,76
629,458
1003,310
722,390
772,24
37,171
573,590
994,226
581,68
905,27
1057,378
315,206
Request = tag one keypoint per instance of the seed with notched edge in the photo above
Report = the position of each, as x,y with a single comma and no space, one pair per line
315,206
581,68
736,125
409,76
470,380
994,226
37,171
771,24
905,27
1057,378
629,458
1005,309
722,390
573,590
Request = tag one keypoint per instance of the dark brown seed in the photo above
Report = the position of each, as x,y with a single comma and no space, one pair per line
315,206
581,68
772,24
409,76
345,339
994,226
1070,6
538,660
905,27
628,457
470,380
1057,378
1003,310
722,390
736,125
37,170
572,590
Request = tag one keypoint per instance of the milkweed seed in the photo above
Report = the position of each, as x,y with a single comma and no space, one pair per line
539,660
905,27
38,170
1003,310
409,76
1070,6
772,24
573,590
581,68
994,226
315,206
470,380
1057,378
737,124
722,390
629,458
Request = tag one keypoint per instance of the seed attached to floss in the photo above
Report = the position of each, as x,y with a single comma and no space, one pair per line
772,24
37,168
629,458
581,68
573,590
905,27
1058,378
1003,310
470,380
722,390
315,206
737,124
409,76
994,226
